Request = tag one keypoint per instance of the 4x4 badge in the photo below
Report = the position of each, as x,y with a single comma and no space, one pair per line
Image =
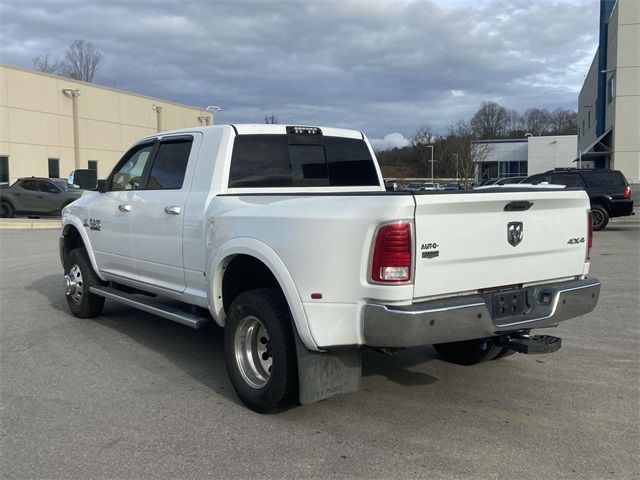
514,233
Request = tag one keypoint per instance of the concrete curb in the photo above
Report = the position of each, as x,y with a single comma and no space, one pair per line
29,224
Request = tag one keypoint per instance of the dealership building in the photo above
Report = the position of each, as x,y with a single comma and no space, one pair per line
520,157
609,102
51,125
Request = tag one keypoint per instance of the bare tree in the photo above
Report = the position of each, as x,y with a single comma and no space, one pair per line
44,63
422,142
564,122
82,60
538,121
460,154
490,121
271,118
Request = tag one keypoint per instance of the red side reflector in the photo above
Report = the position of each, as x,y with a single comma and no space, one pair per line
590,236
316,296
392,254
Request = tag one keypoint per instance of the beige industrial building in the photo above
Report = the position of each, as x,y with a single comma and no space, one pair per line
609,102
51,125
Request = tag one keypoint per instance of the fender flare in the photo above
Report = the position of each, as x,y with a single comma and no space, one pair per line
68,222
261,251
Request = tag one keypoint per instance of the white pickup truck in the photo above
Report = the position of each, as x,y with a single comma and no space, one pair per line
286,237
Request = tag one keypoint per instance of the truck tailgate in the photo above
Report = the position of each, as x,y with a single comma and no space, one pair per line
462,240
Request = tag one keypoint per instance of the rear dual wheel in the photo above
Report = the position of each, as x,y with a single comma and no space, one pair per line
260,351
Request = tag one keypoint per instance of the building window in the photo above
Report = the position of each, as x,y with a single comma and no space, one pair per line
54,168
93,165
589,119
4,170
611,88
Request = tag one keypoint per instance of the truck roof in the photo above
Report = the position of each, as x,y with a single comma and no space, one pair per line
265,129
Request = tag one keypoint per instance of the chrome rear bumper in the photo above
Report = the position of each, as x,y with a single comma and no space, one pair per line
465,318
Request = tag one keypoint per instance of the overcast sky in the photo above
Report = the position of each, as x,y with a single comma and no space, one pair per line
384,67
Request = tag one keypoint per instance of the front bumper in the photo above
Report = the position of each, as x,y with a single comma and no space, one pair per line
465,318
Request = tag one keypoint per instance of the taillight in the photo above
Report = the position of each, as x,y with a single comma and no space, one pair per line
627,192
590,236
392,253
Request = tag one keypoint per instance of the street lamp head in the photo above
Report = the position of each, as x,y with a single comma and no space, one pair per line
213,107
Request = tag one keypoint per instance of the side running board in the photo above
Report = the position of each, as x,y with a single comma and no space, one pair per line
151,306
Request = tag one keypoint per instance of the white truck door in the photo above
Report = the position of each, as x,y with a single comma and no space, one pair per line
111,213
159,213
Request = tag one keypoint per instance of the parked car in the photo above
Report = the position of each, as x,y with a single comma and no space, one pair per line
412,187
36,196
452,186
608,190
428,186
285,237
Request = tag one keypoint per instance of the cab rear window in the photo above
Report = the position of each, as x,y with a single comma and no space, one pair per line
269,161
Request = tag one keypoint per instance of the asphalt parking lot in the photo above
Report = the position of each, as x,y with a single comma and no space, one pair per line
129,395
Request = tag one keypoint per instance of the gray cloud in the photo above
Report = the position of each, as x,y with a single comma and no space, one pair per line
379,66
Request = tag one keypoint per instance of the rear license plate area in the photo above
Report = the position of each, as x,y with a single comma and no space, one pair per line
509,303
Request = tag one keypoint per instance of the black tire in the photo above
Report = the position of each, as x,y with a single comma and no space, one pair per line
599,217
469,352
7,210
261,390
83,303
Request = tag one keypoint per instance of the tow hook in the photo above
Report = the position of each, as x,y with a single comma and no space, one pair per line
69,285
533,344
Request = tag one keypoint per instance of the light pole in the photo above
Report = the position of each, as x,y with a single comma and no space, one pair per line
457,176
431,147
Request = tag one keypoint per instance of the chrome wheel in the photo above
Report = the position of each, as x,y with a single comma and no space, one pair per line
73,284
252,348
597,218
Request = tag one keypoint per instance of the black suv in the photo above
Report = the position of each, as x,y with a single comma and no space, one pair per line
608,190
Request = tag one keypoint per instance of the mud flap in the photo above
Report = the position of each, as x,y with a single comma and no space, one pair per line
325,374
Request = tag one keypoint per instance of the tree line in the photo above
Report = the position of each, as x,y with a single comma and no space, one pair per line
454,153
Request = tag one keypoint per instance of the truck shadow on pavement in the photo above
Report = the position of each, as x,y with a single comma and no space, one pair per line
200,353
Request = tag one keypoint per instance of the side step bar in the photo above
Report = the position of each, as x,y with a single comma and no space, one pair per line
150,306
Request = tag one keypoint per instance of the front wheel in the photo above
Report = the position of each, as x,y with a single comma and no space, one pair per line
260,350
79,278
469,352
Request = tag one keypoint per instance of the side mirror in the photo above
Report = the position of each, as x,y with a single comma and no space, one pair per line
84,179
102,186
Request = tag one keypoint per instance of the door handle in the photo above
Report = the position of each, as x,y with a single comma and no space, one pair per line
124,208
172,210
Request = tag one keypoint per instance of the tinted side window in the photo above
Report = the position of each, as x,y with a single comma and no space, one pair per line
48,187
568,179
170,165
129,175
606,180
30,185
280,161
